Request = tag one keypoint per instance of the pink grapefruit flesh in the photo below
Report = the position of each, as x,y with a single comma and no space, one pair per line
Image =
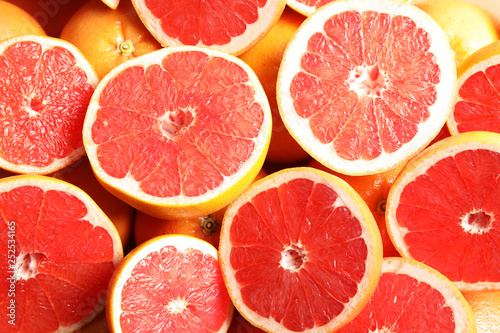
44,95
61,259
479,104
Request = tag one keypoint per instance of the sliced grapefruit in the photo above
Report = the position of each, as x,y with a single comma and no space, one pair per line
443,209
300,252
62,252
45,89
170,283
178,132
477,107
365,85
412,297
230,26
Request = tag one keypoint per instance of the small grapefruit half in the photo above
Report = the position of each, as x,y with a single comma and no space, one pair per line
412,297
170,283
60,253
443,209
230,26
45,89
178,132
300,252
365,85
477,106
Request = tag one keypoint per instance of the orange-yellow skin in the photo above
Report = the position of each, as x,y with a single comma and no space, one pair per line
52,15
265,58
16,21
108,37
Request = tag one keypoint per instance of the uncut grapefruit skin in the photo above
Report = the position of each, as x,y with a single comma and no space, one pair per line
416,167
181,207
182,243
351,199
300,128
95,216
70,151
240,42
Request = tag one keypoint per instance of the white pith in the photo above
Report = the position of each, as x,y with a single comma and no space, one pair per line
299,127
275,180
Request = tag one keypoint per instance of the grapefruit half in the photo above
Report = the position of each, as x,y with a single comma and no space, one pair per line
300,251
365,85
60,253
179,132
45,89
412,297
443,209
170,283
230,26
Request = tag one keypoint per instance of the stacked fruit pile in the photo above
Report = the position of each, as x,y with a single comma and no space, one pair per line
249,166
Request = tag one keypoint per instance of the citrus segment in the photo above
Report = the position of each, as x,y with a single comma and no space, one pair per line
45,93
412,297
477,106
441,209
63,252
178,132
365,85
299,251
171,283
232,27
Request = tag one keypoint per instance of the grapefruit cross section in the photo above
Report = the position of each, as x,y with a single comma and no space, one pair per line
230,26
178,132
477,106
443,209
60,253
45,89
412,297
170,283
365,85
300,252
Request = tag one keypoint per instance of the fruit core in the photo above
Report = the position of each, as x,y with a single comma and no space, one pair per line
176,306
174,121
293,257
477,222
367,80
27,265
36,104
